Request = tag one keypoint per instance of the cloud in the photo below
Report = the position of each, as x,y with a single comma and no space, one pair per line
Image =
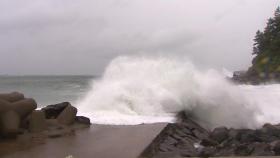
81,37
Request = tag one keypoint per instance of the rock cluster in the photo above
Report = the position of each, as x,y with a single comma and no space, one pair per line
188,139
18,116
252,77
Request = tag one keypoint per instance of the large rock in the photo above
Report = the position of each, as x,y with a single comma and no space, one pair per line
208,142
4,106
37,122
12,97
52,111
261,149
10,122
24,107
275,146
219,134
271,130
243,150
82,120
67,116
247,136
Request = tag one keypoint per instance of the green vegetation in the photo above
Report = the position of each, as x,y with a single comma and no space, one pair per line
267,48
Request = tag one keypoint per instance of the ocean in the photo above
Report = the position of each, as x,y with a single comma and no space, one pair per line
47,90
136,90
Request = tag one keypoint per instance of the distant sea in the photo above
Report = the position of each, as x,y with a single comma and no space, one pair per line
47,89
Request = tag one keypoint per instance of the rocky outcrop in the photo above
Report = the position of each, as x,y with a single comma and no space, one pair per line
18,116
52,111
186,138
253,77
14,108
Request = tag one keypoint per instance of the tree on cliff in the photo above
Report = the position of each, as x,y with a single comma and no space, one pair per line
267,47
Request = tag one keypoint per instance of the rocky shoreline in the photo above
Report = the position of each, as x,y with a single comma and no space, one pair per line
254,78
23,126
186,138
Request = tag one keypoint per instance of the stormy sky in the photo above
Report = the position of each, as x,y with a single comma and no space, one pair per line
82,37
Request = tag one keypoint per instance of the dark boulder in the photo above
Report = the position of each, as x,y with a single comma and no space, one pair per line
208,142
219,134
243,150
261,149
247,136
52,111
271,130
82,120
275,146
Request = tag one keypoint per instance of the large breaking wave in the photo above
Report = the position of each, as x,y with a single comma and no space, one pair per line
137,90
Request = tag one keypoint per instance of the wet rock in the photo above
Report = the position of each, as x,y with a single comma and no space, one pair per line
208,142
243,150
219,134
184,144
170,141
247,136
261,149
275,146
265,137
37,121
10,122
24,107
271,130
226,151
82,120
189,139
12,97
187,152
67,116
232,133
186,131
166,147
200,134
52,111
180,132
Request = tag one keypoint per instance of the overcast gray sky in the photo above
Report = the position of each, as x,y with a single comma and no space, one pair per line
81,37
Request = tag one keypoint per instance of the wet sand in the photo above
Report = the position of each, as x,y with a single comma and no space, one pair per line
99,141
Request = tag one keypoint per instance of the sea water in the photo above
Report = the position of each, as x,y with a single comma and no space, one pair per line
47,90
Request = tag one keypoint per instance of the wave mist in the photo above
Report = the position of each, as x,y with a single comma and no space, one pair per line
137,90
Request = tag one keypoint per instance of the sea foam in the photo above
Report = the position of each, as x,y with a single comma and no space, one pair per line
136,90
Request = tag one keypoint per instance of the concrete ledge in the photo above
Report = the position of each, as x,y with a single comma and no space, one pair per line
100,141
